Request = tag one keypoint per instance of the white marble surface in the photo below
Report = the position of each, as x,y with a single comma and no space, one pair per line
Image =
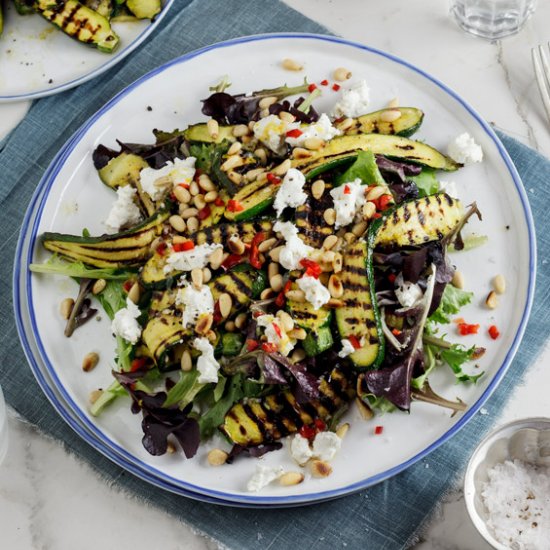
50,500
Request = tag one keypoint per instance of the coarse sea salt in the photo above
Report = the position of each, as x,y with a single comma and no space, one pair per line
517,499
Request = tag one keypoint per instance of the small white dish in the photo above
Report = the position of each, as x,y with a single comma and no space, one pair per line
527,439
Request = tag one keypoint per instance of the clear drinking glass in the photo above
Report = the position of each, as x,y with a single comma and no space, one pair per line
3,428
492,18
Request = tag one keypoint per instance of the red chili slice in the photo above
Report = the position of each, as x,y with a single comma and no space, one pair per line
324,82
184,246
268,347
204,213
378,430
277,330
347,190
273,179
320,425
392,277
231,261
251,345
354,341
234,206
184,185
313,269
161,249
384,201
464,329
336,87
254,257
494,332
128,285
307,431
219,202
294,133
138,364
311,88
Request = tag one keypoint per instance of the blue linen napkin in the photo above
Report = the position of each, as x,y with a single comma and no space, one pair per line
383,517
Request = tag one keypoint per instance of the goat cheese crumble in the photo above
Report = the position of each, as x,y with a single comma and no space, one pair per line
348,199
124,211
206,363
316,293
295,249
187,260
354,101
347,348
195,302
408,294
300,449
179,171
271,131
448,187
125,322
263,476
322,129
291,192
465,150
326,445
275,334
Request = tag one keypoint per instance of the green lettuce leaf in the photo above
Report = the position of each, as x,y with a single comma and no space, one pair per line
426,182
453,299
364,168
56,265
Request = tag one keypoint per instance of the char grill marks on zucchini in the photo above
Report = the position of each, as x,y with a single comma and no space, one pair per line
257,421
124,249
79,22
408,122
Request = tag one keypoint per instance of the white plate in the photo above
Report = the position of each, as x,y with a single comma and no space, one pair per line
37,60
71,185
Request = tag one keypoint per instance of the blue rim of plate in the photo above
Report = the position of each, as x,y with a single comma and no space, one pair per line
128,461
112,61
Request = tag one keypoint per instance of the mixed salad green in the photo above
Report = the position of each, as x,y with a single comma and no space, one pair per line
268,267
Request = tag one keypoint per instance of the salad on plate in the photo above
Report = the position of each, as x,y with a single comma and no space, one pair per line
273,266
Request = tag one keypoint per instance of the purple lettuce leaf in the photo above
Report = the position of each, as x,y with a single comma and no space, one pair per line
256,451
307,382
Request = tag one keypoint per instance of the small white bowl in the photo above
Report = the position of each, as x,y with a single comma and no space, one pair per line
527,439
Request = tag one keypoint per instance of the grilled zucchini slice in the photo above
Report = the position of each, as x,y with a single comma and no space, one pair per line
343,149
124,249
257,421
372,123
200,133
252,200
358,316
79,22
419,221
144,9
317,324
242,286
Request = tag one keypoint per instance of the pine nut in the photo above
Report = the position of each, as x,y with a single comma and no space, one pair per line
217,457
194,188
342,430
296,296
267,244
291,65
66,307
317,189
225,303
349,237
94,396
232,162
458,279
182,195
346,124
275,253
99,286
261,154
236,245
264,113
314,143
170,448
334,303
251,175
298,355
197,278
287,117
359,228
211,196
301,153
213,128
134,293
240,320
262,178
266,102
177,223
283,168
206,275
341,74
234,177
390,115
199,202
183,206
364,410
320,468
235,148
216,258
205,183
186,362
286,320
267,294
338,262
335,286
240,130
330,242
492,301
272,269
204,324
276,282
376,193
230,326
297,333
499,284
393,103
291,478
178,239
188,213
90,361
192,224
328,256
329,215
368,210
